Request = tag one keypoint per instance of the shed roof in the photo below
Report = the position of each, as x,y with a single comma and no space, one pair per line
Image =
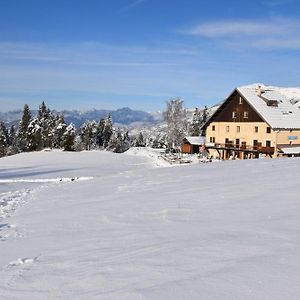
291,150
196,140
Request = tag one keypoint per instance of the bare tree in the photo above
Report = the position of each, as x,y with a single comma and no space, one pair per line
176,118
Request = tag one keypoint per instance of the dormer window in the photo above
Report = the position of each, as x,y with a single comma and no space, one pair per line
240,100
246,114
234,115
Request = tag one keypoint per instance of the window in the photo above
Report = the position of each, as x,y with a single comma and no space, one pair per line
234,114
227,128
255,142
268,129
241,100
268,143
256,129
213,127
246,114
212,139
238,128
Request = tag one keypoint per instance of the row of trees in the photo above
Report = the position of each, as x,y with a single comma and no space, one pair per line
49,130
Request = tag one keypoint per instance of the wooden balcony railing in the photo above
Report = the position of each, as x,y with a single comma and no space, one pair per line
244,147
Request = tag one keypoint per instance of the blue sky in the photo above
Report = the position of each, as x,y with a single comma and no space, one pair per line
140,53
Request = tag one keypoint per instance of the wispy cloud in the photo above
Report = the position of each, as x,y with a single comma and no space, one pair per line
266,34
132,5
275,3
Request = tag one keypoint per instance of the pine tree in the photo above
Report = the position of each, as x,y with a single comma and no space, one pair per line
108,130
58,132
12,141
204,114
100,133
22,142
88,133
196,123
46,120
204,118
140,141
3,139
35,136
69,138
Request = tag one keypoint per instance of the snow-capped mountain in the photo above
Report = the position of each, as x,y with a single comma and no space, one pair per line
123,116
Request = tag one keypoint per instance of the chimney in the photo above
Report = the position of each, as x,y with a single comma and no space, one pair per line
258,90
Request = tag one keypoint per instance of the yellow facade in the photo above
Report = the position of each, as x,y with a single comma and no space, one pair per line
249,133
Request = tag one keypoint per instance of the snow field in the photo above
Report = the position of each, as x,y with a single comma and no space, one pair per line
225,230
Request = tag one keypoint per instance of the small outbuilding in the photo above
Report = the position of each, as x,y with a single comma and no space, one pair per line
193,144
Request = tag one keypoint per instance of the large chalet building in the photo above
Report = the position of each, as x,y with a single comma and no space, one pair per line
254,122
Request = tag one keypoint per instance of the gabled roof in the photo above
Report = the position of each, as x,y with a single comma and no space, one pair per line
283,116
196,140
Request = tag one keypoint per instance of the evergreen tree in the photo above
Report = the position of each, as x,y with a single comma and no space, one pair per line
35,136
140,141
196,123
204,118
204,115
22,142
100,133
46,120
88,134
68,141
12,141
58,132
4,140
108,130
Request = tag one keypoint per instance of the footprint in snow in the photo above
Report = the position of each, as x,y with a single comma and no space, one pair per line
22,261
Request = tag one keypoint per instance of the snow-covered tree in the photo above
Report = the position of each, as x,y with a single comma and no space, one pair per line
58,131
204,115
47,122
108,130
100,133
140,141
176,118
12,141
88,134
22,142
204,118
68,141
35,135
4,140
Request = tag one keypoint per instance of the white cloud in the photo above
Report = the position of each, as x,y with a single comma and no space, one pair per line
132,5
264,34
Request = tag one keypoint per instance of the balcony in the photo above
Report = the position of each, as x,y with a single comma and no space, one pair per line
230,145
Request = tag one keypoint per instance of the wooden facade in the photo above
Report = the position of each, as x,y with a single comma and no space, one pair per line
235,103
192,145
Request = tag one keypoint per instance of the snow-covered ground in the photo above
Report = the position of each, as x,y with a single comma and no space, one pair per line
98,225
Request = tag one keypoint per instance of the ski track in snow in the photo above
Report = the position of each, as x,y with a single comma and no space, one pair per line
45,180
10,201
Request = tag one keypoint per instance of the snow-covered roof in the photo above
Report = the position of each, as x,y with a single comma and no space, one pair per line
291,150
196,140
282,116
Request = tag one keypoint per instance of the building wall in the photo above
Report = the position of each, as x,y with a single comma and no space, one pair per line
217,132
288,137
245,133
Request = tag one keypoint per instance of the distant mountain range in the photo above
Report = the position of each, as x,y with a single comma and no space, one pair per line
122,116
